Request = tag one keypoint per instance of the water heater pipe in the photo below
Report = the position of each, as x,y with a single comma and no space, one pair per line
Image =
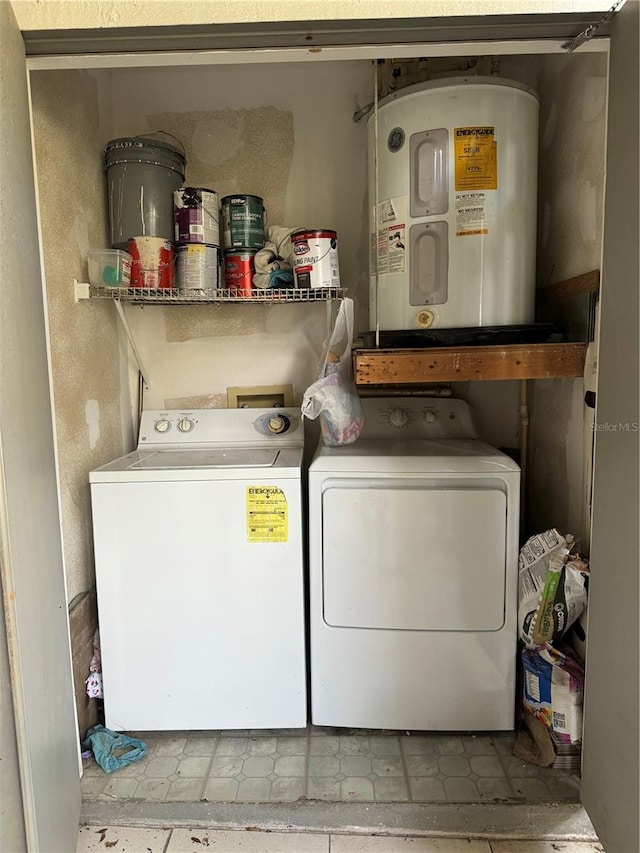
523,411
376,194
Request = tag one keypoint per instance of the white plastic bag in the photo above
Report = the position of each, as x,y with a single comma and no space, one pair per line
333,397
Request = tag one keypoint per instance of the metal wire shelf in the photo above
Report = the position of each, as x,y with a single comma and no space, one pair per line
142,295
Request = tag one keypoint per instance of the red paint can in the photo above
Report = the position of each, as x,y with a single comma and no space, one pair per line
152,264
239,268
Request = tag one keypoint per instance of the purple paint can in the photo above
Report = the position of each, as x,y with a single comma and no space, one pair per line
196,216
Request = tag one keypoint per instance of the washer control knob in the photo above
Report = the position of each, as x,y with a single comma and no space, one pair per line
430,416
398,418
163,425
277,424
185,425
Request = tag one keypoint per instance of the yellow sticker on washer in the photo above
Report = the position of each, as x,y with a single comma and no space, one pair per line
476,158
267,518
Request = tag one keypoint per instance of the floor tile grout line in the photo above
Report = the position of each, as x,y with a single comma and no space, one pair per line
504,768
509,780
516,797
208,773
519,798
273,772
405,768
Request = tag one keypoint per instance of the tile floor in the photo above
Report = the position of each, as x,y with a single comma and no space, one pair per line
334,765
94,840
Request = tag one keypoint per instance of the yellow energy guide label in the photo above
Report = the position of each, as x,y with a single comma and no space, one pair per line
476,158
267,518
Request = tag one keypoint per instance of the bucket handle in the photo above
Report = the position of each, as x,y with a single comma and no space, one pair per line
166,133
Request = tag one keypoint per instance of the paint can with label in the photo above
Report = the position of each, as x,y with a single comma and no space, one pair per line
315,258
242,222
152,262
239,268
196,216
197,266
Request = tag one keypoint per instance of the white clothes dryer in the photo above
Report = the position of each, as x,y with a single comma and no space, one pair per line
199,571
413,537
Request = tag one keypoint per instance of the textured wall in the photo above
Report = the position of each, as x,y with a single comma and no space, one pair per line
83,337
77,14
570,211
573,92
249,130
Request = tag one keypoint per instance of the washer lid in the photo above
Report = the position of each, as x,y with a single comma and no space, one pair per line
209,457
203,463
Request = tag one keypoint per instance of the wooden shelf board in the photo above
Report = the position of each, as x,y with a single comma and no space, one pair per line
460,364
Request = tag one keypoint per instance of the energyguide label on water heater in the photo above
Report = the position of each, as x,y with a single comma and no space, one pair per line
267,518
476,158
389,244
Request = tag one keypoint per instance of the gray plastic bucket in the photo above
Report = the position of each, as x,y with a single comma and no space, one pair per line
142,174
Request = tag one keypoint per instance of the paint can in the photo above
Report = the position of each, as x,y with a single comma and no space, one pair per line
152,260
315,258
239,268
197,266
242,222
195,215
142,174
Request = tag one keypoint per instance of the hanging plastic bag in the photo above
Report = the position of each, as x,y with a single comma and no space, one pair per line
333,397
112,749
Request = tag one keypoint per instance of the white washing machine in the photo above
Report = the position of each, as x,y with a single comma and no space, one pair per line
199,573
413,537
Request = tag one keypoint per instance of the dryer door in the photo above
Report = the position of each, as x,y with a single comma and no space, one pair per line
425,555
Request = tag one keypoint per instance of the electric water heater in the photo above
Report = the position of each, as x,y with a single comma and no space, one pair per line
453,190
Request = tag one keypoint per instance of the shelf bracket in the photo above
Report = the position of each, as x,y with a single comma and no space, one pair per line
81,290
84,290
132,343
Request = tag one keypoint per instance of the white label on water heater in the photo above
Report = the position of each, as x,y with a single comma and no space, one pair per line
471,214
389,244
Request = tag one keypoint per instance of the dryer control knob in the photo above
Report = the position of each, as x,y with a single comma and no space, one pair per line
163,425
398,417
430,417
277,424
185,425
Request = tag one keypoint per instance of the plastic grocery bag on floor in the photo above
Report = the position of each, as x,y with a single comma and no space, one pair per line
333,397
112,749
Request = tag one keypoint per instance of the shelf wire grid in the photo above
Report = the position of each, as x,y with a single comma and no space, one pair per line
169,296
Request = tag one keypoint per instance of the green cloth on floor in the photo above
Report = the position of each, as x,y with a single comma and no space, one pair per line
108,746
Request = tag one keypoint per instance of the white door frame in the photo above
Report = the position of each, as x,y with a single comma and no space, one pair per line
31,563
